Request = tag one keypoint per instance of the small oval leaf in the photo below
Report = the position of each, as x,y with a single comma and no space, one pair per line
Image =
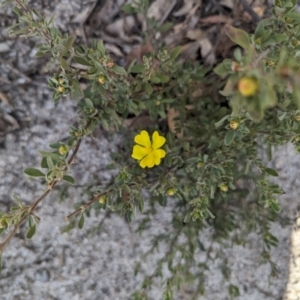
34,172
271,172
69,179
31,231
81,222
229,137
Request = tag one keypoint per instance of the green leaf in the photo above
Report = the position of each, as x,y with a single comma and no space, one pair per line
18,11
81,222
128,9
187,218
293,15
50,154
165,27
238,36
119,70
69,44
68,179
271,172
50,164
229,137
223,69
82,61
175,52
155,79
31,231
296,95
163,78
220,123
138,68
101,48
141,203
149,88
34,172
275,206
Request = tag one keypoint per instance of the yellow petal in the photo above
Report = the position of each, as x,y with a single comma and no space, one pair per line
148,161
143,139
158,155
157,140
139,152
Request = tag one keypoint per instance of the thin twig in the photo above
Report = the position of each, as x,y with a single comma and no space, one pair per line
35,203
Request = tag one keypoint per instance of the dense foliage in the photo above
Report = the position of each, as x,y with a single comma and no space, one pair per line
207,161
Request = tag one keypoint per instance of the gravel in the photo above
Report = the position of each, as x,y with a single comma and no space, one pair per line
77,265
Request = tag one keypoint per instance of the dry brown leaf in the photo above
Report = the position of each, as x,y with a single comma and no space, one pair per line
186,8
190,50
139,122
198,92
173,113
157,9
195,34
81,17
207,51
4,99
260,10
215,19
114,49
227,3
138,52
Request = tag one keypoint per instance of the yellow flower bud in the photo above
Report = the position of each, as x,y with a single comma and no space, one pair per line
224,187
63,149
61,89
77,133
102,199
157,102
295,42
200,164
170,191
297,118
248,86
3,223
234,124
61,80
101,79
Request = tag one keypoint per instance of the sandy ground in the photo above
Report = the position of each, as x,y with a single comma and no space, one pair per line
78,265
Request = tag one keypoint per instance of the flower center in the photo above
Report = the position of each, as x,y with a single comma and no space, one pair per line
149,150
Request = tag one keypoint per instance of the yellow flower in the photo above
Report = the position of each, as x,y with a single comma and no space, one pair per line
248,86
147,152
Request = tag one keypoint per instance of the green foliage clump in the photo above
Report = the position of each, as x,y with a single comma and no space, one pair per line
211,168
